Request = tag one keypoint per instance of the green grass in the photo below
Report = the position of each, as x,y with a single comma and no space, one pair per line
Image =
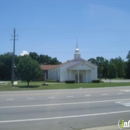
39,86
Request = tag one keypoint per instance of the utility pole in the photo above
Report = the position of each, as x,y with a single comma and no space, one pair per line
13,55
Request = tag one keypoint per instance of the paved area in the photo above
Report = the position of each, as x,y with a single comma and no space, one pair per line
114,127
115,81
4,82
70,109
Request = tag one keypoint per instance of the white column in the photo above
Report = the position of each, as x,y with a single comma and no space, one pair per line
70,75
78,76
86,76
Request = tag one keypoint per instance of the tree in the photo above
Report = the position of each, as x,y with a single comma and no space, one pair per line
28,69
112,70
34,56
6,66
54,61
128,56
100,62
92,60
120,67
44,59
102,66
128,65
128,69
105,69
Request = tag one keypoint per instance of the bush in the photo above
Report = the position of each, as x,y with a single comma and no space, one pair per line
96,81
70,81
101,81
45,84
49,80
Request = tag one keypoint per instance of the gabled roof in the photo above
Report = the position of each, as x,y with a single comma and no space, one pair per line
79,64
48,67
73,66
87,62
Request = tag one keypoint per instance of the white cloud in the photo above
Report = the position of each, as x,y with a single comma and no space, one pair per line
24,53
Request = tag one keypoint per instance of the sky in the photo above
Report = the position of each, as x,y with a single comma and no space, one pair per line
51,27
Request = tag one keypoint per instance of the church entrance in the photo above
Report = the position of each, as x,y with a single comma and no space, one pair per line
80,78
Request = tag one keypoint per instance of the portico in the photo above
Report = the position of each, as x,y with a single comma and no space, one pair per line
79,75
81,72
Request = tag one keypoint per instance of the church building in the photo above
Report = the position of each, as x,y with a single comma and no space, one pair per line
76,69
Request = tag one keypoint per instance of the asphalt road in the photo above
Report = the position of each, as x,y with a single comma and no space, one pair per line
72,109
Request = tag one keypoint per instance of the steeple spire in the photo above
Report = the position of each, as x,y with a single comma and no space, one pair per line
77,53
76,43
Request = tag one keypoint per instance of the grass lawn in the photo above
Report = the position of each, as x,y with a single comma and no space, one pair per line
39,86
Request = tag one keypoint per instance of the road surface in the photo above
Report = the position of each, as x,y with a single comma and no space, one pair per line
71,109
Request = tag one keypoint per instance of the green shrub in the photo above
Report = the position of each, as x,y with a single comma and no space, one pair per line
49,80
70,81
96,81
101,81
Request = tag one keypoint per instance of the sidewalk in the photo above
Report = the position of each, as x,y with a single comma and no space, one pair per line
114,127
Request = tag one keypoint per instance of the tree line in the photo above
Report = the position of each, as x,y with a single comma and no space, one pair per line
113,68
26,66
22,63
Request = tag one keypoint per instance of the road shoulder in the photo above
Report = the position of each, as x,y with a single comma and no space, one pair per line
114,127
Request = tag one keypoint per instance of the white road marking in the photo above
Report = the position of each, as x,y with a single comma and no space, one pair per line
30,98
87,95
124,103
9,99
64,117
125,90
104,94
70,96
61,104
51,97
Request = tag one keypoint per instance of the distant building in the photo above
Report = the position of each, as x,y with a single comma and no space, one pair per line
76,69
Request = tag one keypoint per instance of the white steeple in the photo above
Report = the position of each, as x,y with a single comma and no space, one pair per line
77,53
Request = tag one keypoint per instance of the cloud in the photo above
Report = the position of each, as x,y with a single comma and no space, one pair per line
24,53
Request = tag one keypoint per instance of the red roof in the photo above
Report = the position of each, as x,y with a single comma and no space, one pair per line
47,67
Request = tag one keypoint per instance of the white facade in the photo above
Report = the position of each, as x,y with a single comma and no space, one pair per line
77,69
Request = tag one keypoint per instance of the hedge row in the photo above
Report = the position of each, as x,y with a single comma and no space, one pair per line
49,80
97,81
73,81
70,81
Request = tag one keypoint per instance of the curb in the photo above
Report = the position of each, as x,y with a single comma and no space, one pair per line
114,127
